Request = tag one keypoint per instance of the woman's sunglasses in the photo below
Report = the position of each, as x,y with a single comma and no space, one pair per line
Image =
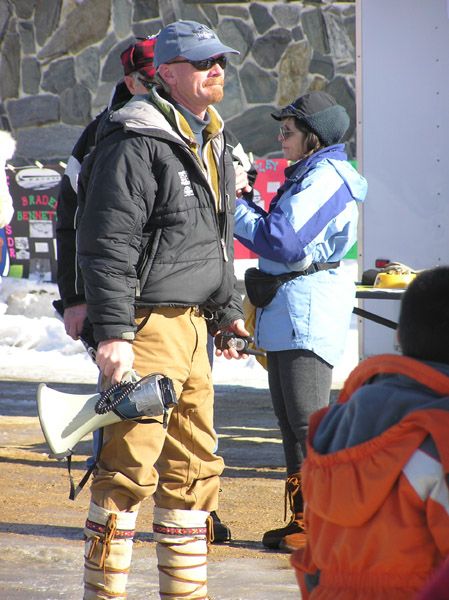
206,64
285,133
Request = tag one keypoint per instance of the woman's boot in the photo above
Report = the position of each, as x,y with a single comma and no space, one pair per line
108,549
220,532
293,532
181,537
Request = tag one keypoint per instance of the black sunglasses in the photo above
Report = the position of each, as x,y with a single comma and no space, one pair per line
146,82
206,64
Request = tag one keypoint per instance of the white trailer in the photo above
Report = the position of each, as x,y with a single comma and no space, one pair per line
402,143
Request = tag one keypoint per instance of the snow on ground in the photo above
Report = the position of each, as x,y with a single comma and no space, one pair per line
35,347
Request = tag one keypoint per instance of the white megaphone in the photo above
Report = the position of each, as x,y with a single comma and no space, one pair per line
66,418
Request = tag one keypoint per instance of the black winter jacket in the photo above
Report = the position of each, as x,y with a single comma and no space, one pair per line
69,278
149,232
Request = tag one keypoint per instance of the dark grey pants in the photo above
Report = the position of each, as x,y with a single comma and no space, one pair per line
300,383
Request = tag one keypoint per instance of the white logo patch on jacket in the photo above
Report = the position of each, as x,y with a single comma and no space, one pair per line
185,182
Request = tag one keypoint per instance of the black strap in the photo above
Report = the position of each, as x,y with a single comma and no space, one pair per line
75,490
376,318
314,267
322,267
144,320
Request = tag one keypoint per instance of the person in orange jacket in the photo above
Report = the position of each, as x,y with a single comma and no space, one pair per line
375,480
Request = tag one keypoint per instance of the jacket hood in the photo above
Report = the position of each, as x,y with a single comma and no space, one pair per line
356,184
141,116
337,157
366,443
155,115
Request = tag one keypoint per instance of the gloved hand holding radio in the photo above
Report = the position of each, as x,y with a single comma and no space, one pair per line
227,341
235,330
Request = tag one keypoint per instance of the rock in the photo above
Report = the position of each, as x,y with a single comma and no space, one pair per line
145,9
55,142
59,75
79,30
293,72
46,19
33,110
256,130
10,66
75,105
31,75
269,48
87,68
261,17
122,11
258,84
237,35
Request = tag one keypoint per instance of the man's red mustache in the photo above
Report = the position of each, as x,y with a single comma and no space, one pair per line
213,81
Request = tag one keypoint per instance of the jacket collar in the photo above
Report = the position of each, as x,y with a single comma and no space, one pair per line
295,171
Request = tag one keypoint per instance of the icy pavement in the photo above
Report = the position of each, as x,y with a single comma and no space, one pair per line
32,568
41,530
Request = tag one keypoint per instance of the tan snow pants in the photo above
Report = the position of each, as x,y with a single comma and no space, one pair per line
176,464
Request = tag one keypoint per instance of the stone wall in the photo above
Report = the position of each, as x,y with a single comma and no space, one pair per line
60,61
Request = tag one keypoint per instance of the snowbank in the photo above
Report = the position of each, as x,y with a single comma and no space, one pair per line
35,347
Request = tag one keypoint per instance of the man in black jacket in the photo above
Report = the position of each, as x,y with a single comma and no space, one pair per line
155,247
138,66
139,71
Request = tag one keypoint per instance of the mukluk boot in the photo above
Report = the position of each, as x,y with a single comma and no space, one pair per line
181,547
108,550
293,535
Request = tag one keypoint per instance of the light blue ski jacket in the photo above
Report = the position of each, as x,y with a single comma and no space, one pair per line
312,219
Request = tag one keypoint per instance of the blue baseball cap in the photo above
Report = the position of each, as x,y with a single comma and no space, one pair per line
192,40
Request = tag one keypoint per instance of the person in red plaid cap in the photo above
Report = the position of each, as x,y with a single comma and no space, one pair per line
138,67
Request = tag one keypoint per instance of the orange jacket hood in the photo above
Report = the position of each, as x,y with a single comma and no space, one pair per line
366,441
369,470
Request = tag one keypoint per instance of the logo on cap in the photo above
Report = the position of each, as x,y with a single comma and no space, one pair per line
204,33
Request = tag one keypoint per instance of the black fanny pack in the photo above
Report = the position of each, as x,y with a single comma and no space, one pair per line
261,287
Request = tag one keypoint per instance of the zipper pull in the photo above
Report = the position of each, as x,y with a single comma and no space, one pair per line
225,254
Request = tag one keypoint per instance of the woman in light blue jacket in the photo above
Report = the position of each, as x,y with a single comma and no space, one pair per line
309,228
